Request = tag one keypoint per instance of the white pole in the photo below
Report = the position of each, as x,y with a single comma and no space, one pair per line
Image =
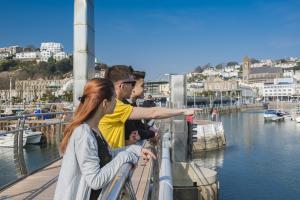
10,99
194,100
221,99
84,46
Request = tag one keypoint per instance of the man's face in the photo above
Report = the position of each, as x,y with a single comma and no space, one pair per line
126,87
138,90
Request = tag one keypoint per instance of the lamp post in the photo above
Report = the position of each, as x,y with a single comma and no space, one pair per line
194,99
221,99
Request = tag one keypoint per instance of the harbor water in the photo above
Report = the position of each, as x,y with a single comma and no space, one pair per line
35,157
261,159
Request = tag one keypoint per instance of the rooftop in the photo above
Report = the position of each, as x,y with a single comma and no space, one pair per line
265,69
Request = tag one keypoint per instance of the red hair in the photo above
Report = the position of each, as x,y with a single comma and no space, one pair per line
95,91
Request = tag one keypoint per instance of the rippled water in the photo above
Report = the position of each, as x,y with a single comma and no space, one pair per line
35,156
261,160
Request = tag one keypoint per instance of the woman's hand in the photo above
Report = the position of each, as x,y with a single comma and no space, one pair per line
146,154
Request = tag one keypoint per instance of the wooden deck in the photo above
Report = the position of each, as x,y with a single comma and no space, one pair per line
41,185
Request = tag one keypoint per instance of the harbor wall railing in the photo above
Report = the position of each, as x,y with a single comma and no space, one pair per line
13,151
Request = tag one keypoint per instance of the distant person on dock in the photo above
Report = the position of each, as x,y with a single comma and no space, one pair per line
112,126
149,102
88,164
214,112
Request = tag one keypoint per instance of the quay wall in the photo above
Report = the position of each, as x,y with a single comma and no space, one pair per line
283,105
230,109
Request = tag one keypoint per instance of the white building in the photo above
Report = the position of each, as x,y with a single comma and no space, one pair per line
52,47
194,88
286,65
12,50
60,55
248,92
210,72
28,56
45,55
4,55
267,62
282,87
192,74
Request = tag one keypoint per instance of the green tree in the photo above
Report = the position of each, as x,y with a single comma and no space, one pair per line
232,63
198,69
101,66
219,66
64,66
253,60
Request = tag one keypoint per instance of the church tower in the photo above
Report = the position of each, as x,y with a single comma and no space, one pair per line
246,69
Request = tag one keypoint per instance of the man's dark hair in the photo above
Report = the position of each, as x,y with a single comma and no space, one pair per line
138,75
118,72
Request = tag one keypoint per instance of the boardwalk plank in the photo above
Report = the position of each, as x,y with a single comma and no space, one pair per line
42,181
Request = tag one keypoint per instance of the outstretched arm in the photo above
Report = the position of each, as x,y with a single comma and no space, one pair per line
158,113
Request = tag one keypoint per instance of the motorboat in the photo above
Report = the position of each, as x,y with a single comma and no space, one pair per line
297,119
33,137
273,115
270,114
7,139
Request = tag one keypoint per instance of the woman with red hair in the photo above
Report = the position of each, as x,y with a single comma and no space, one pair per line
88,164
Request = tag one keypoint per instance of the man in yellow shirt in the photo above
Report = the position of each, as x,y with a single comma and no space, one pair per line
112,126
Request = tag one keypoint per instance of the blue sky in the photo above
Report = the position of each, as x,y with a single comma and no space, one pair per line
163,36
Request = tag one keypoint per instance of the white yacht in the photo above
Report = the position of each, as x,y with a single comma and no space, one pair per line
33,137
7,139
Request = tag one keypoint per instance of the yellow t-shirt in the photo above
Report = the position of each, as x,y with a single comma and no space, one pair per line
112,126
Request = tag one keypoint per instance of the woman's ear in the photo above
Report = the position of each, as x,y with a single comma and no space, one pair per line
104,104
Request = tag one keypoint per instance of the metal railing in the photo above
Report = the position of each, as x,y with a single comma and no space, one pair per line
165,172
116,186
159,185
12,158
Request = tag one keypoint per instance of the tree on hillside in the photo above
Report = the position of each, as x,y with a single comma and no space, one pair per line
29,48
64,66
232,63
253,61
206,66
282,61
219,66
198,69
101,66
5,65
51,60
297,67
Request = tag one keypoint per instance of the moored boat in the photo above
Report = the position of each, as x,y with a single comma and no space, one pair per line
7,140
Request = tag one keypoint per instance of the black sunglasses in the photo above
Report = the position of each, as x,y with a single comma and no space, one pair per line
129,82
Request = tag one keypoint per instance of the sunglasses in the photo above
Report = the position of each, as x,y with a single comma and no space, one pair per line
129,82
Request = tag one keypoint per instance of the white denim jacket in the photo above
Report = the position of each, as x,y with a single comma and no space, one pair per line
80,170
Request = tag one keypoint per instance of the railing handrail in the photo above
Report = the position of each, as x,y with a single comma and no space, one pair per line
114,188
165,172
32,115
33,127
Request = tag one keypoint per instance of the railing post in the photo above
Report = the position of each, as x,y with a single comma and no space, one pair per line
18,149
58,129
165,173
179,125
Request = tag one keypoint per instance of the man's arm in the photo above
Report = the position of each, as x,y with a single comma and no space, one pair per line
158,113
